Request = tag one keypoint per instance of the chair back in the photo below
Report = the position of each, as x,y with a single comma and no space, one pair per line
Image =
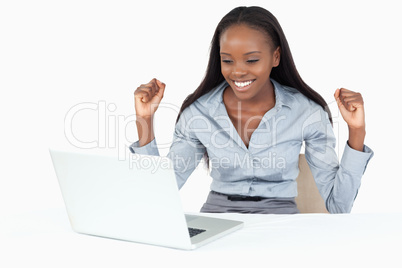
308,199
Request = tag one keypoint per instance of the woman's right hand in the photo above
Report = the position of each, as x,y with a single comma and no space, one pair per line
147,98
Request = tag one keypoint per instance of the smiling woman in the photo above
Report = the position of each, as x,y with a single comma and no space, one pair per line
253,101
247,61
270,35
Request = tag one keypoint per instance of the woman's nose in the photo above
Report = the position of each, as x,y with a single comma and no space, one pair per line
239,70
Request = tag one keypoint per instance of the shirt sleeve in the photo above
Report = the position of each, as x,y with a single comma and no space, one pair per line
148,149
185,152
337,183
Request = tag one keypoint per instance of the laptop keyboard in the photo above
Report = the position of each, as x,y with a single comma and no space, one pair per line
195,231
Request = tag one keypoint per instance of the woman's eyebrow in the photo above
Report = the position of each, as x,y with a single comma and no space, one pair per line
252,52
248,53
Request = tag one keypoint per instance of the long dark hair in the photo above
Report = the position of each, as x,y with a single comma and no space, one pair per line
285,73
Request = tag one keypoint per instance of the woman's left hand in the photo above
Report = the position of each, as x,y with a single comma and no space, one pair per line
351,106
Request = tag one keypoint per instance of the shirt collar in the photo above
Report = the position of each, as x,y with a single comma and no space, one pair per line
284,95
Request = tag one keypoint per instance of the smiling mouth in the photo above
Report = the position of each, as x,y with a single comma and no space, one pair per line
243,84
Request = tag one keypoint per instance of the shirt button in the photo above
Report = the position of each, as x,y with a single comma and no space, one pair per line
255,163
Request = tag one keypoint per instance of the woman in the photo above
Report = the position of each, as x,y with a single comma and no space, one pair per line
249,118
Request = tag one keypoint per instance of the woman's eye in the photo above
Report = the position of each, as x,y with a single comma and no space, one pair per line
252,61
226,61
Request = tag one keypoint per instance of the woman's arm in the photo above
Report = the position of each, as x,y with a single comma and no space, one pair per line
147,98
185,152
339,183
145,130
351,106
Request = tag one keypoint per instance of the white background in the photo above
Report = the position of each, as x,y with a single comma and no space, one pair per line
55,55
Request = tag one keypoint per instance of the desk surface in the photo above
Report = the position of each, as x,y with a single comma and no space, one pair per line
45,239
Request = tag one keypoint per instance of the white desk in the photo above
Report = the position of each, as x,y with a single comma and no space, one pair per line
44,239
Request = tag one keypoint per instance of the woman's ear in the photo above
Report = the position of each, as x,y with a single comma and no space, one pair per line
277,57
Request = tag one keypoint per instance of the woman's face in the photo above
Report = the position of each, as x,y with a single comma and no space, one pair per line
247,59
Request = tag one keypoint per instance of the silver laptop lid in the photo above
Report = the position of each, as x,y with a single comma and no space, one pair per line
127,200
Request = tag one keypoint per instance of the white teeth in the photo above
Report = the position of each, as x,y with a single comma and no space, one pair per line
243,84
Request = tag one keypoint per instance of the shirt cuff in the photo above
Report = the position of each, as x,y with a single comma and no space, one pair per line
148,149
356,161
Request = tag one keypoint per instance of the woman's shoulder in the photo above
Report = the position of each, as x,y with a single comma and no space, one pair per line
208,101
293,98
213,96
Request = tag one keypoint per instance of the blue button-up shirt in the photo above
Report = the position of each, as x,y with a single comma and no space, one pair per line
269,166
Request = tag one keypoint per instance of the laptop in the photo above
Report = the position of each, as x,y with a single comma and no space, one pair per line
136,200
